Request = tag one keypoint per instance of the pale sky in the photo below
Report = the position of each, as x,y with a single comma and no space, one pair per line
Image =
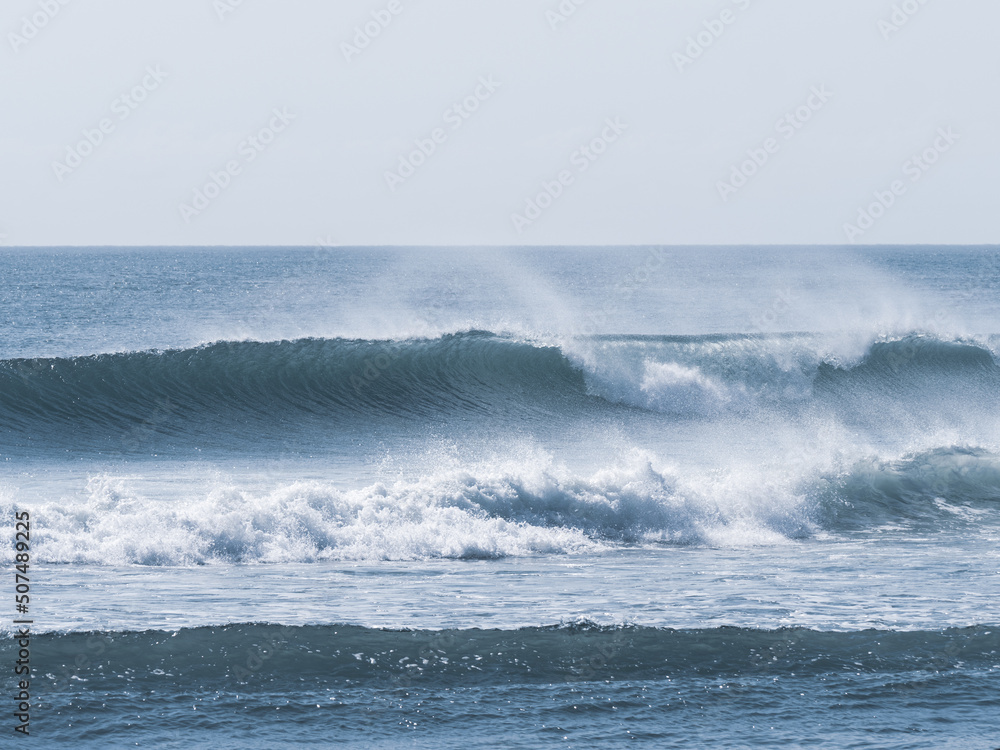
499,123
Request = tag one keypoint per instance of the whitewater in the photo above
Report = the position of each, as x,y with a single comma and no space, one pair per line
732,497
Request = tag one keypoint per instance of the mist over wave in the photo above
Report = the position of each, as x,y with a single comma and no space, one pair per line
336,383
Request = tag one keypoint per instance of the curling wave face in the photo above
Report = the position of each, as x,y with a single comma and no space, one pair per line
336,384
503,502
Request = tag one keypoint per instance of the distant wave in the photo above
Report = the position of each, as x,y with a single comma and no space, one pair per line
325,656
263,386
522,505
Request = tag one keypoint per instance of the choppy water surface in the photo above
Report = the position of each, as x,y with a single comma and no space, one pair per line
425,498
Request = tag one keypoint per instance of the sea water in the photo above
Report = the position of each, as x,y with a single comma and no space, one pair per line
454,498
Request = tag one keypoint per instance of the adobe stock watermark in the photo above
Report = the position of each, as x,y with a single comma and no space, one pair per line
780,305
713,29
435,651
624,290
265,646
143,434
32,25
773,655
901,15
914,168
249,149
323,251
92,657
786,127
368,31
122,106
223,8
599,656
582,159
375,367
325,246
561,13
454,117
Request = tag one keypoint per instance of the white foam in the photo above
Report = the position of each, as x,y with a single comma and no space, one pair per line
671,387
497,509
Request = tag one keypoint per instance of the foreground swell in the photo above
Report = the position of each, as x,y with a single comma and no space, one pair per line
266,686
331,655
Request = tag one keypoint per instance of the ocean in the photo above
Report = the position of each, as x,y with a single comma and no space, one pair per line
733,497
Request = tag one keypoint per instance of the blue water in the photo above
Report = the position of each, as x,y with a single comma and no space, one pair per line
731,497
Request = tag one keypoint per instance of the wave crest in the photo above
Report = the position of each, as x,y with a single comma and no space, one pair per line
226,387
517,506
